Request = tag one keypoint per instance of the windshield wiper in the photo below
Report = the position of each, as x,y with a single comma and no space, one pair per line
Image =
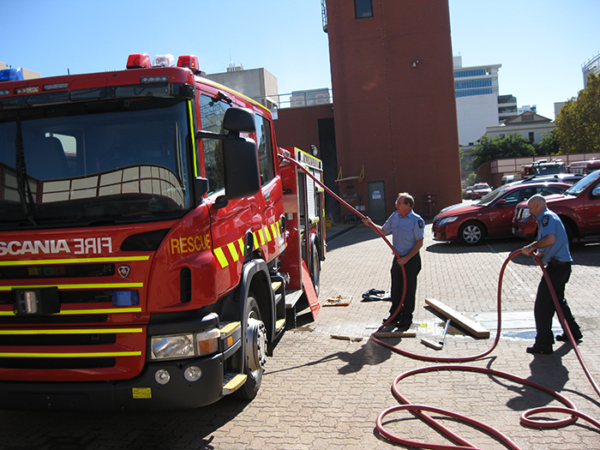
22,181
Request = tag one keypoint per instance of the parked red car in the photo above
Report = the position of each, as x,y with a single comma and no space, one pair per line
491,217
480,190
578,208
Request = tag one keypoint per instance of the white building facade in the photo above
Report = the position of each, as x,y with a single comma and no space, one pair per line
476,100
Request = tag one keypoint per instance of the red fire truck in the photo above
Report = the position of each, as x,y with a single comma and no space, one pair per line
543,167
153,239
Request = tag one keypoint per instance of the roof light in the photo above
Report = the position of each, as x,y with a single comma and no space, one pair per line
167,60
189,61
27,90
55,87
11,75
155,79
138,61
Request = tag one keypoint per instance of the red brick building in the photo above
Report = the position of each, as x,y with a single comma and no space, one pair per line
394,107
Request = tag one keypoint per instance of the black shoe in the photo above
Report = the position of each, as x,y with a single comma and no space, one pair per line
404,325
564,338
538,349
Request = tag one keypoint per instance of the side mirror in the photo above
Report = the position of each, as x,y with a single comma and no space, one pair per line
501,202
238,120
240,164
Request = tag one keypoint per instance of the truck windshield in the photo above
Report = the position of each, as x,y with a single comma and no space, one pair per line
550,169
99,163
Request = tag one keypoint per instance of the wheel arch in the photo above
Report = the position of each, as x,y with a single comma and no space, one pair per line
255,278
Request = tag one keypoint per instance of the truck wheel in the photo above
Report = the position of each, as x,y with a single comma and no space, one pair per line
471,233
256,351
315,268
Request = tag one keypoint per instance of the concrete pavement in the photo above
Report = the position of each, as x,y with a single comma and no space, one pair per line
323,393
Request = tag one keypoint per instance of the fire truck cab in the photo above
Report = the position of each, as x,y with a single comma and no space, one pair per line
146,250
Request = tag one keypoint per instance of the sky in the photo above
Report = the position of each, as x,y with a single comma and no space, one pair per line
541,44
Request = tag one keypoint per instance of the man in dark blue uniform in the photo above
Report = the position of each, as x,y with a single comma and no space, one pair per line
552,245
408,231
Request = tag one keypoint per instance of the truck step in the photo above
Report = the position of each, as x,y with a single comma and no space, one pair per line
292,297
232,382
279,325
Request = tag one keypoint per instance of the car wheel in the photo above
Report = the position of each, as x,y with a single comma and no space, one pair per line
471,233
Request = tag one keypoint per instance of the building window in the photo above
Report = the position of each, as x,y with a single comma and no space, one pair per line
363,9
470,92
472,84
531,138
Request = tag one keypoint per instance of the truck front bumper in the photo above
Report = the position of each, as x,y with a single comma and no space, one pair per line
140,393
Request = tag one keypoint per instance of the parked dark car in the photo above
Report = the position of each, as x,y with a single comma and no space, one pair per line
578,208
491,217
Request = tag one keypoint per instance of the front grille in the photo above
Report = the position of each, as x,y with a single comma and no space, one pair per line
68,296
57,363
56,271
53,320
58,339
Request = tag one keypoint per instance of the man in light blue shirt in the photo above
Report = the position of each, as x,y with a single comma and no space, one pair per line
408,231
552,245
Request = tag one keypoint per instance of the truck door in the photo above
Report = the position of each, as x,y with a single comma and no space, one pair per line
377,201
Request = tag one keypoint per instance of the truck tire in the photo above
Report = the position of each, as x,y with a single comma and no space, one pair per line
256,351
471,233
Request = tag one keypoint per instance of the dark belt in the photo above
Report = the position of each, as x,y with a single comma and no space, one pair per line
556,262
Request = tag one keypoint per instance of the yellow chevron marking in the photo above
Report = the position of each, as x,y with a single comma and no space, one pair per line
269,239
233,251
221,257
262,238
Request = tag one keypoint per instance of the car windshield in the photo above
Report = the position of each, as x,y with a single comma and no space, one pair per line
583,184
492,196
94,163
482,186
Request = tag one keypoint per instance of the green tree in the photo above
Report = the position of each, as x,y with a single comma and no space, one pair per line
511,146
578,123
471,179
549,145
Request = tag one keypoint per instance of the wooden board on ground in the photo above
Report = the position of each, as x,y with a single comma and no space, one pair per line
392,334
338,301
470,325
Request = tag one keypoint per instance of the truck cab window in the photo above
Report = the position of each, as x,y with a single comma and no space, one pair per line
212,113
265,149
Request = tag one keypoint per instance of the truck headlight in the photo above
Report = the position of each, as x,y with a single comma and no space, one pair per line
172,347
448,220
181,346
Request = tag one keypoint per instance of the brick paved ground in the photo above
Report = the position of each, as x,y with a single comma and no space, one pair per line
322,393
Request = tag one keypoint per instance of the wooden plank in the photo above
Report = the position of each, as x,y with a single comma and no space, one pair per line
470,325
392,334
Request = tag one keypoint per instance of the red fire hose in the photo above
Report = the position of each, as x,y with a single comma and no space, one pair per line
569,408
